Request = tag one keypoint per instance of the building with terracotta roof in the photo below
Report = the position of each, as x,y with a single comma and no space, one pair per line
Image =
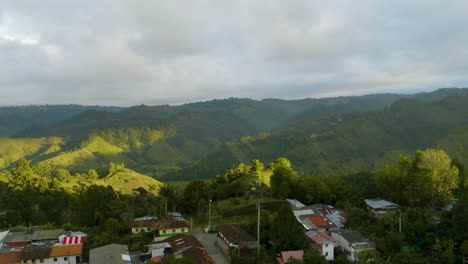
162,227
322,243
288,255
181,245
234,236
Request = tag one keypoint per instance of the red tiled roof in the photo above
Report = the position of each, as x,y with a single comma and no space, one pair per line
318,221
156,259
319,237
286,255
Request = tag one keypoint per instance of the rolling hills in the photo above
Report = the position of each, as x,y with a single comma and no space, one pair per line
199,140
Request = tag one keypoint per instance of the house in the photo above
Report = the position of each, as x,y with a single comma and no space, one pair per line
187,246
378,207
287,255
17,239
352,243
47,247
110,254
322,243
42,235
234,236
66,254
162,227
142,224
36,252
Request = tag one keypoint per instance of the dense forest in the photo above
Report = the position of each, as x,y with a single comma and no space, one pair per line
423,185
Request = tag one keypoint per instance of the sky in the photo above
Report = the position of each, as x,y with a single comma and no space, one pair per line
116,52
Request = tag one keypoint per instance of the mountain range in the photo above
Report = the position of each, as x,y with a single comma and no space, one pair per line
329,136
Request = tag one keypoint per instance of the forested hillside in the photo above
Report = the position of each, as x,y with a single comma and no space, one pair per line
199,140
17,118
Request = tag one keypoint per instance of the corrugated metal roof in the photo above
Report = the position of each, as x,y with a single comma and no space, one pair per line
379,203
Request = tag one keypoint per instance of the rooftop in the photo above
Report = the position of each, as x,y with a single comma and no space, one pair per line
109,254
319,238
352,236
36,251
17,237
234,233
46,234
295,203
3,235
378,203
66,250
167,222
286,255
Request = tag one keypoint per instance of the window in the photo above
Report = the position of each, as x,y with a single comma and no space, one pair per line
164,231
173,230
55,259
183,229
137,230
65,258
326,254
41,260
78,260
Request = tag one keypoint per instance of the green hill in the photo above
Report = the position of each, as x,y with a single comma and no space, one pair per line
127,181
354,142
198,140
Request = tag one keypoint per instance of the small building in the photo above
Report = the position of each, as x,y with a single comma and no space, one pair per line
352,242
378,207
17,239
142,224
110,254
36,252
188,246
234,236
288,255
162,227
66,254
322,243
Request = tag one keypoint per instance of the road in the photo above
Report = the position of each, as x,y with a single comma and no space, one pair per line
208,241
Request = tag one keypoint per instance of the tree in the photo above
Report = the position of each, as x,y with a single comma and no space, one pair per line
436,176
283,179
195,191
285,232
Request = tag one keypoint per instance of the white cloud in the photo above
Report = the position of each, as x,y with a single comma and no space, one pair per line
132,52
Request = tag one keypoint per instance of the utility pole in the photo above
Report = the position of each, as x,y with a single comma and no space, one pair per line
259,200
399,221
209,216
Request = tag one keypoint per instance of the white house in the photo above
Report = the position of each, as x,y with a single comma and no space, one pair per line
352,242
322,243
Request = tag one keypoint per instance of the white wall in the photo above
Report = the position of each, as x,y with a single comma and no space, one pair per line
328,251
60,260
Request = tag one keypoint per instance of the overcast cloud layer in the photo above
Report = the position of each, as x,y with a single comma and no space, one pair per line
114,52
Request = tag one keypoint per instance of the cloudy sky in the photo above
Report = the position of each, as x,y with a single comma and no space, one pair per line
116,52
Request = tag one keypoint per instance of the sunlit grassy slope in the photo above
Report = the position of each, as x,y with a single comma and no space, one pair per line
127,181
13,149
